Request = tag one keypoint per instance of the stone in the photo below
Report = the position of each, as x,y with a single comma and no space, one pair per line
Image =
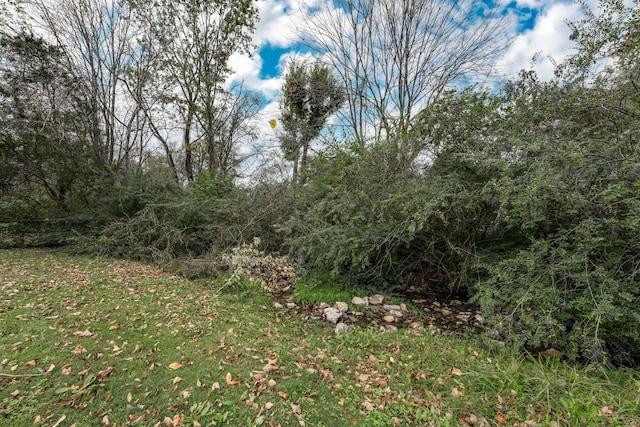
395,313
291,305
360,301
278,305
376,299
323,305
418,326
332,315
388,328
390,307
479,318
342,328
389,319
341,306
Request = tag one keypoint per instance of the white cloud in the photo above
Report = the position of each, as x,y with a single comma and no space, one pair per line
549,38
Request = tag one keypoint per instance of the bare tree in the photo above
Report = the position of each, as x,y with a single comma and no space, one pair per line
192,43
396,56
96,36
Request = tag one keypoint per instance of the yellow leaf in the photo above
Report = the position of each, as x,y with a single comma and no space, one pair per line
273,123
31,363
456,372
129,397
175,365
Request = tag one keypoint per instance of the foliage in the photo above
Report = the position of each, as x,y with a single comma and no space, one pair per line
311,94
364,214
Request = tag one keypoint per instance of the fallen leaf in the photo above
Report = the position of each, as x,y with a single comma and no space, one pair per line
606,411
105,421
15,393
176,380
31,363
369,405
129,397
168,421
456,372
296,409
175,365
283,395
230,379
215,386
268,405
455,392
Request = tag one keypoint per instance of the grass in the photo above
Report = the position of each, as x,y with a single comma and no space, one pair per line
93,341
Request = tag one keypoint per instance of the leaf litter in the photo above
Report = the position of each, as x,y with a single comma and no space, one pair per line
109,325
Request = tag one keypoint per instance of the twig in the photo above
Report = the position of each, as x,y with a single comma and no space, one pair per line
22,375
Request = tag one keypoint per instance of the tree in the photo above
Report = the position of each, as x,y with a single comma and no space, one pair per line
191,43
395,57
311,94
43,145
99,45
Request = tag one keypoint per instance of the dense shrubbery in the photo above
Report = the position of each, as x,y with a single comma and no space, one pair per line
531,202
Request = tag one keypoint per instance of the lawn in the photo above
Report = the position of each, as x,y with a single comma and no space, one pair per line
101,342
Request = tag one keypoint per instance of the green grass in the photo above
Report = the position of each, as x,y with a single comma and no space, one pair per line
91,341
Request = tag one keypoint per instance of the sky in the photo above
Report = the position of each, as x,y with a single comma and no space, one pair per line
541,31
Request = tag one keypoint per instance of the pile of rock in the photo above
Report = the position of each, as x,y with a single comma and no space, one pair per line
342,317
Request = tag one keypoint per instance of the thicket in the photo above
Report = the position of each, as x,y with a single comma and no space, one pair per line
527,198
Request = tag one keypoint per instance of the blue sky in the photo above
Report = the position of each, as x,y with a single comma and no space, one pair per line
541,30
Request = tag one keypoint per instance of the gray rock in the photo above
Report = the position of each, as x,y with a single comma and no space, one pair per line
395,313
323,305
376,299
389,307
341,306
342,328
291,305
360,301
332,315
278,305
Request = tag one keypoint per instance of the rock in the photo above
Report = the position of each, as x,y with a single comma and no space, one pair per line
389,307
360,301
464,316
417,326
376,299
479,318
291,305
332,315
342,328
323,305
446,312
388,328
389,319
341,306
395,313
278,305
